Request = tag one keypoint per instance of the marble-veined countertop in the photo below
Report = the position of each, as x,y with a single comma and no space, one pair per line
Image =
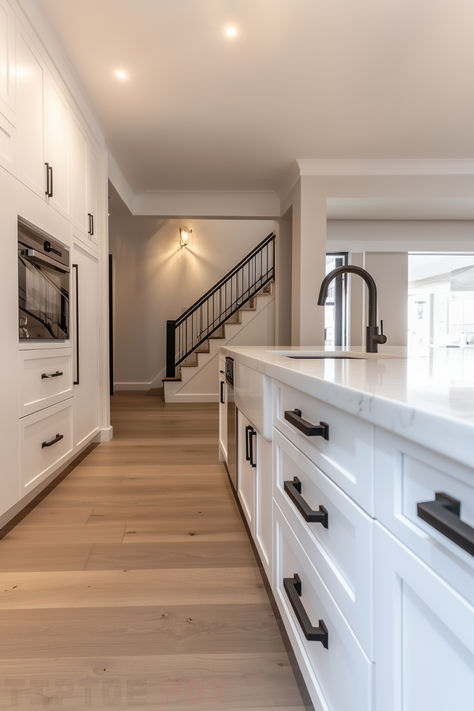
427,397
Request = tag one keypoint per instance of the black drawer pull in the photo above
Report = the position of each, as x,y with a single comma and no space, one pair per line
247,444
57,439
313,634
293,489
44,376
444,514
252,449
221,399
307,428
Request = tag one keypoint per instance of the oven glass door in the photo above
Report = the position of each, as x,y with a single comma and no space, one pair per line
43,295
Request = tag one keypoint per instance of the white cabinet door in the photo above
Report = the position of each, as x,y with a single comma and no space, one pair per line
424,635
264,504
247,469
29,149
93,225
57,137
85,343
78,177
7,61
222,419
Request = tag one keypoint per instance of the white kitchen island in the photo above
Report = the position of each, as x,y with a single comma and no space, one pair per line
357,482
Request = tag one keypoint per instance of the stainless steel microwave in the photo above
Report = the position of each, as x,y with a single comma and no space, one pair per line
43,285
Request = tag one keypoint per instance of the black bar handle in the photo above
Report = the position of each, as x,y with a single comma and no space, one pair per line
313,634
51,181
45,376
253,434
57,439
46,192
76,269
222,392
307,428
293,489
247,445
444,514
92,225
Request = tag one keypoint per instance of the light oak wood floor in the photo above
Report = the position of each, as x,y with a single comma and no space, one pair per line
133,584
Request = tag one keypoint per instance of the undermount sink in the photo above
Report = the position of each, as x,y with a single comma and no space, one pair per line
324,355
334,355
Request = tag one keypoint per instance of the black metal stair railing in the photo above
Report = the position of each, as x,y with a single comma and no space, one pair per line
217,305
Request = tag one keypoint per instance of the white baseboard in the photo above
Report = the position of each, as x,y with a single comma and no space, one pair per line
106,434
133,385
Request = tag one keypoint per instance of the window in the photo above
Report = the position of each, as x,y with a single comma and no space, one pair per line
441,300
335,308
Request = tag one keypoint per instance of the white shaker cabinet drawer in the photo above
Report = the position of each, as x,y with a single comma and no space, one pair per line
339,544
424,640
412,486
46,378
339,675
45,441
340,444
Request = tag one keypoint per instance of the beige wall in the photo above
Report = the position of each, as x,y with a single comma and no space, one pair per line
156,280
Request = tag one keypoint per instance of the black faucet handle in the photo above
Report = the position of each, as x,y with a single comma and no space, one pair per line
381,338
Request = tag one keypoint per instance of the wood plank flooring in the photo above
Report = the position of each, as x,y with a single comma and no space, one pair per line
133,584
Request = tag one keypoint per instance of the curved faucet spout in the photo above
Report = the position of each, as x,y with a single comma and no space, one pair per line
373,336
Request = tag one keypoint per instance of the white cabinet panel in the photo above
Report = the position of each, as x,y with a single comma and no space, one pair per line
93,224
339,677
57,133
85,343
7,61
263,504
78,177
46,378
222,418
247,468
45,442
424,639
407,475
29,148
342,552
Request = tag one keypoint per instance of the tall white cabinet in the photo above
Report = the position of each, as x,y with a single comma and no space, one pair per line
53,173
86,353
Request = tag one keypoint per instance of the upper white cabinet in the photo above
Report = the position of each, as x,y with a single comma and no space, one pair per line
57,148
7,61
29,118
93,226
77,175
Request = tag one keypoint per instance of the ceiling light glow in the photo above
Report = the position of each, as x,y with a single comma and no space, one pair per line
120,74
231,31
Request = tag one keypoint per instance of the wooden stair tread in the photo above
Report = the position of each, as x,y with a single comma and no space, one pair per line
171,380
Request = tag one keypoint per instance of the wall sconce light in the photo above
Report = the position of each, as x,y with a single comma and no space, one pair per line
184,233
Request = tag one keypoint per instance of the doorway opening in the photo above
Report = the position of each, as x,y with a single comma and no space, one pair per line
335,309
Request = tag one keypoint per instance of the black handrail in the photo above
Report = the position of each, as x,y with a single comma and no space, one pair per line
225,278
243,281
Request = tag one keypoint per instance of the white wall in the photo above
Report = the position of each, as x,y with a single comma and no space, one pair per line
156,280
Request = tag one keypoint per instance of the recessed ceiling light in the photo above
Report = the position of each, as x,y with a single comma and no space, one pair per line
231,31
120,74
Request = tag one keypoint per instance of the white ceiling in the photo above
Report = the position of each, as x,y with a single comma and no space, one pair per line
303,78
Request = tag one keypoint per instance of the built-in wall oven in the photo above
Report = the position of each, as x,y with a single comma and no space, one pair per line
43,285
231,422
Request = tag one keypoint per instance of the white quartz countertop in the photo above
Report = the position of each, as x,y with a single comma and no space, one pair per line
426,397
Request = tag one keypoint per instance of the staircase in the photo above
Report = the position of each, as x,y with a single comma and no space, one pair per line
239,309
